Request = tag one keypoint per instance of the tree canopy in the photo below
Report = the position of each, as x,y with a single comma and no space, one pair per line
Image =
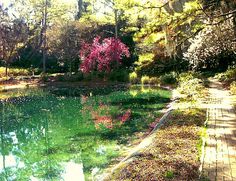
52,33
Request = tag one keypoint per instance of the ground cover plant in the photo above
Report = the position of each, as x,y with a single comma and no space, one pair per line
233,88
175,153
228,76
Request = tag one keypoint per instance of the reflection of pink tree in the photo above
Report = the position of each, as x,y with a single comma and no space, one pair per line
102,55
125,117
102,121
109,121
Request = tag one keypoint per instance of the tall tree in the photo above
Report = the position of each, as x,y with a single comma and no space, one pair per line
40,16
44,33
13,35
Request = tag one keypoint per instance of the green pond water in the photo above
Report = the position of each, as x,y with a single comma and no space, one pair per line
71,134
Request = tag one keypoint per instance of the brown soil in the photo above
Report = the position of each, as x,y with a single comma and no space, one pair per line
174,154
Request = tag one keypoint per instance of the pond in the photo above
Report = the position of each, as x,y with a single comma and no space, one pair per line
71,133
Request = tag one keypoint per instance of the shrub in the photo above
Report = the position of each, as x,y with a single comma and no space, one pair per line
212,48
170,78
192,88
186,76
79,76
233,88
133,78
71,78
145,79
120,76
44,77
154,81
228,76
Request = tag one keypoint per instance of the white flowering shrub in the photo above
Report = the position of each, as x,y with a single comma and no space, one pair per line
211,45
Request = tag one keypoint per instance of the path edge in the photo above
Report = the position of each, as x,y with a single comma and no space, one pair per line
146,142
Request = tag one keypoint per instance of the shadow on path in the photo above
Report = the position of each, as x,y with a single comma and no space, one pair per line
220,151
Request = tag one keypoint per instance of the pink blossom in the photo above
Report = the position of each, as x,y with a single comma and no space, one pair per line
102,56
125,117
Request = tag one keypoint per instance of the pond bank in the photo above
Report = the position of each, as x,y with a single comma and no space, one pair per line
174,154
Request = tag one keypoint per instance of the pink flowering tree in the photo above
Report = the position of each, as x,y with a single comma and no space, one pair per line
102,55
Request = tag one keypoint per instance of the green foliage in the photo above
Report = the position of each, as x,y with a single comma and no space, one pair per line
145,79
44,77
14,72
233,87
169,174
160,65
133,78
187,76
119,75
190,86
228,76
71,78
154,81
170,78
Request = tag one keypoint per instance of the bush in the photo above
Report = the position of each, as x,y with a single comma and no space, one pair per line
145,79
133,78
170,78
150,80
71,78
120,76
228,76
192,88
186,76
44,77
233,88
154,81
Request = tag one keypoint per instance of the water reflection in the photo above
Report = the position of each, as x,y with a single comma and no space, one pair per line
27,145
47,136
73,172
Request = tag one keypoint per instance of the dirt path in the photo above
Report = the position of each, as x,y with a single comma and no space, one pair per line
220,152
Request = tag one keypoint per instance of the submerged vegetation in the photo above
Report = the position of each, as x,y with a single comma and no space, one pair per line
51,129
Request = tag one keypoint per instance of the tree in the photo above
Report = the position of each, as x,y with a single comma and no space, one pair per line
109,12
102,55
13,35
65,42
41,16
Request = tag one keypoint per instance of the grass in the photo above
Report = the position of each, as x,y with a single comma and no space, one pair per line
175,153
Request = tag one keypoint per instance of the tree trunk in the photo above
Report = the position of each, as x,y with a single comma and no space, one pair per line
45,36
80,10
6,70
70,68
116,23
